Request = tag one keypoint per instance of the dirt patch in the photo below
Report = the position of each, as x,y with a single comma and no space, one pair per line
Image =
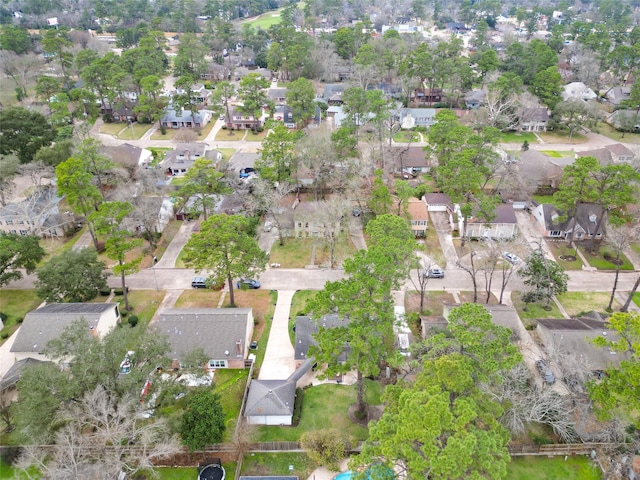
259,300
433,302
200,298
466,297
374,412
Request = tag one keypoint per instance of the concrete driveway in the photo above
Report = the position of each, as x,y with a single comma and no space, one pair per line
279,359
440,221
528,231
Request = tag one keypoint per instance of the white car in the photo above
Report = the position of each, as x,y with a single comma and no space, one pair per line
510,257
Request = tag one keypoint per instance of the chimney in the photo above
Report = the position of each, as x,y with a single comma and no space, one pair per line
187,154
239,347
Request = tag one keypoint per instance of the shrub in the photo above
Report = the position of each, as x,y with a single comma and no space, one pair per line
4,335
326,447
105,292
107,118
133,320
297,407
3,317
19,319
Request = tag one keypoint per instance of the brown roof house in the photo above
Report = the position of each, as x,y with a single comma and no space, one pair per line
129,156
410,161
418,215
534,119
503,226
616,153
224,334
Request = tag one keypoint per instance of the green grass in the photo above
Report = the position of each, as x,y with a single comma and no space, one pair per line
552,153
144,303
543,199
406,137
543,468
265,20
255,137
608,131
7,471
562,249
534,310
562,136
324,406
518,137
269,464
227,153
125,131
158,154
168,233
16,304
636,298
601,263
178,181
576,303
298,303
635,246
230,384
223,135
295,253
191,473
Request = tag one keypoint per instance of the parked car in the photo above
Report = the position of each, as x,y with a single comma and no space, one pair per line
510,257
546,372
434,273
268,226
199,282
127,363
356,212
246,172
248,283
253,345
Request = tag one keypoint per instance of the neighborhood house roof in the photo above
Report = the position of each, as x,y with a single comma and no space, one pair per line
184,155
577,90
215,330
608,154
270,397
15,372
437,199
306,327
537,114
504,214
47,323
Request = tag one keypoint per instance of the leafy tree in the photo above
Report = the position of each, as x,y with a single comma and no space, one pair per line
252,95
15,39
380,201
277,159
345,141
105,76
203,183
222,96
17,252
299,96
444,426
326,447
226,249
24,132
620,389
203,422
76,184
190,58
56,43
73,276
545,276
575,114
345,42
364,297
150,105
488,62
547,86
108,222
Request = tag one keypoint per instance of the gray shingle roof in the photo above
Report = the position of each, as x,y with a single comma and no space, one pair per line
270,397
47,323
306,327
15,372
215,330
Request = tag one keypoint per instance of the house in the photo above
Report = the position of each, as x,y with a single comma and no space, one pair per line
48,322
309,221
577,91
540,171
10,379
285,115
426,96
616,153
277,95
474,99
409,161
419,217
503,225
128,156
501,315
224,334
242,121
534,120
437,202
306,328
625,120
582,225
390,90
38,214
152,213
333,93
200,94
416,117
184,118
178,161
617,95
575,336
120,111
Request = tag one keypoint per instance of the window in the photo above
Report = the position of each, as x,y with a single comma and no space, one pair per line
23,232
9,222
20,222
12,231
217,364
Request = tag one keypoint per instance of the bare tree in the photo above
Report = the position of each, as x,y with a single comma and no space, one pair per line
185,135
38,214
472,269
23,69
269,200
618,238
421,266
37,172
102,438
625,307
9,167
330,215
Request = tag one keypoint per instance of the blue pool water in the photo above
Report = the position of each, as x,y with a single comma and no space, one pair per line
344,475
375,472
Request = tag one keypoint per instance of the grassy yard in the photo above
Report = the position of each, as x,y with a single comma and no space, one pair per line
324,406
542,468
230,385
561,249
191,473
172,132
265,20
16,304
344,249
518,137
125,131
297,308
534,310
167,236
158,154
270,464
555,154
256,137
601,259
562,136
227,153
433,301
406,137
144,303
295,253
432,247
636,298
635,246
608,131
226,135
576,303
543,199
198,298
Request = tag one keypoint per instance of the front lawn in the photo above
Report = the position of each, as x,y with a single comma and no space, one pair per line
198,298
562,136
143,302
343,249
277,464
432,247
533,310
298,303
518,137
295,253
608,131
543,199
576,303
324,406
433,300
565,256
256,137
125,131
604,257
226,135
15,304
554,154
544,468
406,137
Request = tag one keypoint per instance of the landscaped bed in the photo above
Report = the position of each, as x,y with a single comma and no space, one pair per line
604,257
565,256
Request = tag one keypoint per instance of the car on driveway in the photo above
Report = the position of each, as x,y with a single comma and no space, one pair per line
434,272
246,172
253,345
546,372
248,283
510,257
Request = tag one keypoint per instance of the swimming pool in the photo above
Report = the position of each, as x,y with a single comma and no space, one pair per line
377,471
344,475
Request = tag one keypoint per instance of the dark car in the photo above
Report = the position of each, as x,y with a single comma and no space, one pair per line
434,273
245,172
253,345
546,372
248,283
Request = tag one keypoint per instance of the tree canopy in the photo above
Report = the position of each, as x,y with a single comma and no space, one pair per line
24,132
17,252
203,422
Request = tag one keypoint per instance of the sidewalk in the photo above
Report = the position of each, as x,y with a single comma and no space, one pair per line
279,359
